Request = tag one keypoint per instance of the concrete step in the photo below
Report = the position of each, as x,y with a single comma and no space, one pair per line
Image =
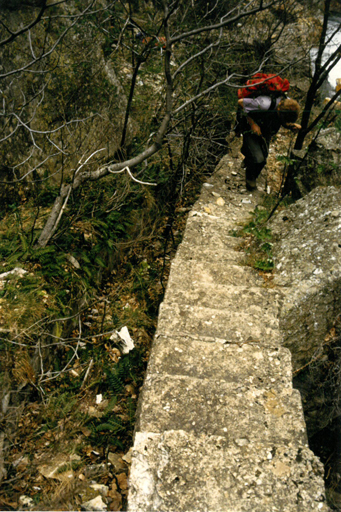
179,471
218,253
241,204
194,272
226,190
235,216
214,407
244,204
242,365
234,194
202,286
201,231
253,326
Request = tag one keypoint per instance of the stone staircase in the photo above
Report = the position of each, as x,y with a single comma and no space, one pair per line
220,427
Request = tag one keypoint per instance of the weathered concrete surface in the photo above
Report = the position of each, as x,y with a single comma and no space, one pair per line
187,252
214,407
182,355
308,259
215,273
308,262
205,231
202,284
220,296
178,470
233,326
220,427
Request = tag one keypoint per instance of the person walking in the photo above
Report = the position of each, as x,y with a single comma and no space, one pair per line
260,119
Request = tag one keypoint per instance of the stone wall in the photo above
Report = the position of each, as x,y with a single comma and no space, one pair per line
307,251
220,426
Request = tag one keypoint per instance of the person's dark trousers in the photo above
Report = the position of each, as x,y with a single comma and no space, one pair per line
255,150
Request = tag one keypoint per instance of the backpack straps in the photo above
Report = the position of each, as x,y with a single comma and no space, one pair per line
273,103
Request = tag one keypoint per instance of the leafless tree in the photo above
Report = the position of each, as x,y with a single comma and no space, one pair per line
188,39
174,105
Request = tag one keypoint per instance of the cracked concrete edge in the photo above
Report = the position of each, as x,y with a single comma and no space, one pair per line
283,478
216,407
242,327
181,355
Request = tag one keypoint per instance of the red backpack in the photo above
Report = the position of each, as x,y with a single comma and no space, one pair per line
262,83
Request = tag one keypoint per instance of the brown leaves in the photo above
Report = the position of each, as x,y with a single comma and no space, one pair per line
113,353
122,481
116,497
23,371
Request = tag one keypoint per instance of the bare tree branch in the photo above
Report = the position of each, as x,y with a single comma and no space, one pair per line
47,53
234,19
14,35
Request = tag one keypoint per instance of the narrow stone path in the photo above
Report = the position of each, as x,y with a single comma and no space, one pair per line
220,428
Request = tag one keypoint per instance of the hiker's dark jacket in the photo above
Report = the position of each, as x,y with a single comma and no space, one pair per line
263,110
255,148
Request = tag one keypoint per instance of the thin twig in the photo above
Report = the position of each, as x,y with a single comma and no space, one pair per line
132,177
87,373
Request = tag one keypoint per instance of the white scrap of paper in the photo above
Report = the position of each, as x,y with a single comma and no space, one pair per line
126,341
18,271
98,399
